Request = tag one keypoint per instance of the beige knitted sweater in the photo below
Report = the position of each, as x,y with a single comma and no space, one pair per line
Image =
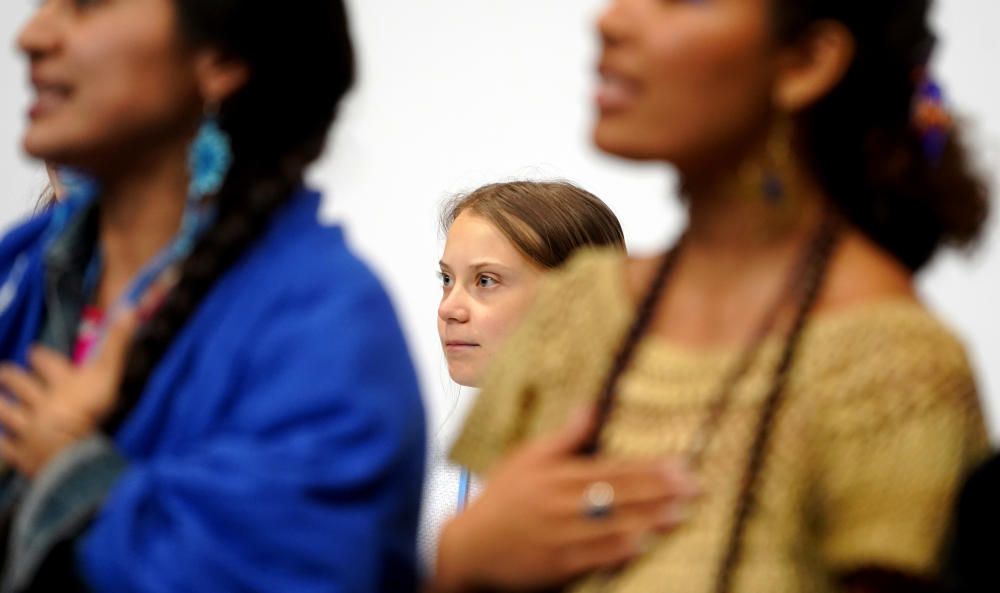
880,422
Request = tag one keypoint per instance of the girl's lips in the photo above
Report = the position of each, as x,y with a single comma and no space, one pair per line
460,346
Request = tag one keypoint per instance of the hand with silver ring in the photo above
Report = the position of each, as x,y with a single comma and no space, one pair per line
598,500
547,515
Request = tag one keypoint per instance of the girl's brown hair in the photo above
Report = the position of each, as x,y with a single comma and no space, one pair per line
545,220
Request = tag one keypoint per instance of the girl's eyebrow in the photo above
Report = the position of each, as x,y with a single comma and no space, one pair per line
477,265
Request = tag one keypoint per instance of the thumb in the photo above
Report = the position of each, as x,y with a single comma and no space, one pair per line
572,435
117,341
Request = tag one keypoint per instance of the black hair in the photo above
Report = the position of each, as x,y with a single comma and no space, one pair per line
861,140
301,64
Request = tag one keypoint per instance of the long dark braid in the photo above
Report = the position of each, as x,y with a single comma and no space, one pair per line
238,225
277,124
644,316
805,283
812,285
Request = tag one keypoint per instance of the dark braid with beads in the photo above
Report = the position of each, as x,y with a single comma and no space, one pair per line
606,400
277,124
806,284
812,285
236,228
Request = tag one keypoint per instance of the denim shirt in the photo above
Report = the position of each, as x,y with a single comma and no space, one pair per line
37,514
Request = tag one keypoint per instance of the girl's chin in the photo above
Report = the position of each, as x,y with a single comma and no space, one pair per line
465,377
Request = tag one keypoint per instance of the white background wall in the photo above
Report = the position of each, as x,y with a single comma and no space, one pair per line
457,93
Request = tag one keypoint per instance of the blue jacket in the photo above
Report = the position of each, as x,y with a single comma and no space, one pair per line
279,443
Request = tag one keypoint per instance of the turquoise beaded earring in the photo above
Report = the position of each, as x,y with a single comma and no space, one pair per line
209,159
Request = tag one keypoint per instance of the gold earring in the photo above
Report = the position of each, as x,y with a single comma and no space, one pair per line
769,176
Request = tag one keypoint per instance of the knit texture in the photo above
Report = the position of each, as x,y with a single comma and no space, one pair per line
880,423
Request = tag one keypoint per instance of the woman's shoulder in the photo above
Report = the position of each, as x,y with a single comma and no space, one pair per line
303,260
871,316
302,284
871,320
862,272
32,234
299,240
893,337
26,232
885,363
885,325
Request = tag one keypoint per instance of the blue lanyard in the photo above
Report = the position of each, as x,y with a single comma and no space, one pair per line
464,486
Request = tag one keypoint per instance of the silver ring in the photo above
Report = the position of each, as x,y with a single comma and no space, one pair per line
598,500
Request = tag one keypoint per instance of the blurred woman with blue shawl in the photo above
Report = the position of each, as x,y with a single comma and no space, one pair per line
204,389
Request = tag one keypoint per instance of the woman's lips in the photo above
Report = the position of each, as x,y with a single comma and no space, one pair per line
48,98
614,91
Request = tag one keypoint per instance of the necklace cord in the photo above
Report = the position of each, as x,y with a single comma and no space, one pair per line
805,282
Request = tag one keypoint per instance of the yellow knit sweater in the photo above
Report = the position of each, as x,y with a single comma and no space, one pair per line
879,423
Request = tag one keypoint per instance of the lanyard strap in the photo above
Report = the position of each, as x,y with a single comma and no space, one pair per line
464,486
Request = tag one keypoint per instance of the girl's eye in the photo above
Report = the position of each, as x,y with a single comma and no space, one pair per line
445,279
486,282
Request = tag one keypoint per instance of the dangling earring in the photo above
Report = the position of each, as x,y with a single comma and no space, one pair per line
209,159
770,176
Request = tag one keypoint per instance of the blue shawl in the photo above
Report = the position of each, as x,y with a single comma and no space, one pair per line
279,443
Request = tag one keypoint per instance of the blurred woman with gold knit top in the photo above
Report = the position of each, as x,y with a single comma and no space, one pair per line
779,348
